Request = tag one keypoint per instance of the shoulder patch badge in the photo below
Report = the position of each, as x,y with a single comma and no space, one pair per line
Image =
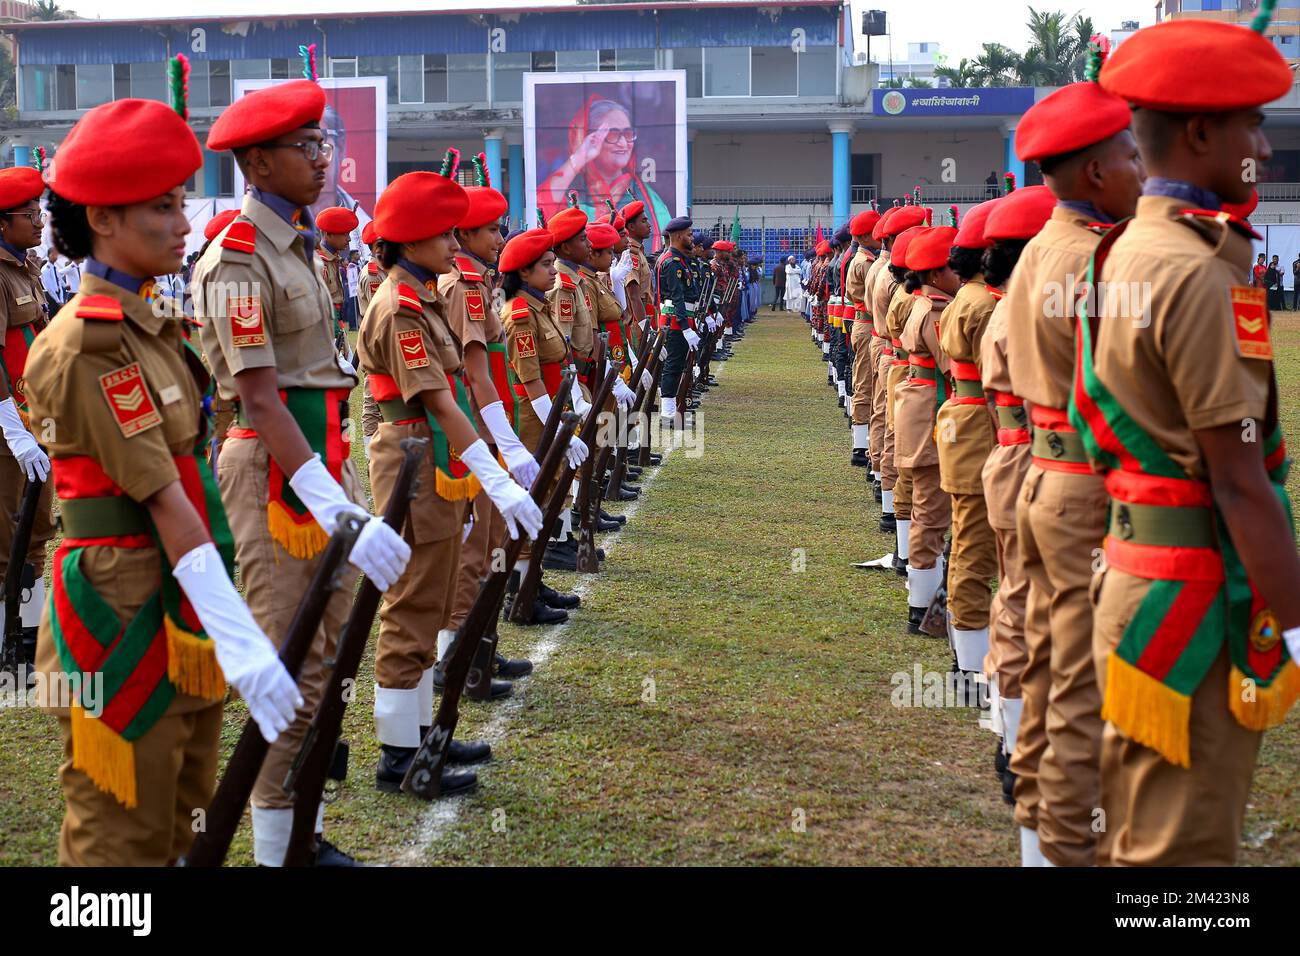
474,304
525,345
1250,322
128,399
408,298
247,326
411,342
241,236
566,308
100,307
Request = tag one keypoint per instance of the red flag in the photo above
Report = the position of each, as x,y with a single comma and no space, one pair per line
819,232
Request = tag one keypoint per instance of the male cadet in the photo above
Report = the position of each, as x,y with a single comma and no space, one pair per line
640,295
855,289
1200,605
22,308
335,226
371,280
676,292
285,472
1079,137
843,310
878,278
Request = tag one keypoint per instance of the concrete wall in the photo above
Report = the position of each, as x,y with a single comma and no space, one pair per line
916,159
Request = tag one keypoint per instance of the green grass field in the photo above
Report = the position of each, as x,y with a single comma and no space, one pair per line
724,694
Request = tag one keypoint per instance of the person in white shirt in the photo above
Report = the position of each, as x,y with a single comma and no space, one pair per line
52,281
70,273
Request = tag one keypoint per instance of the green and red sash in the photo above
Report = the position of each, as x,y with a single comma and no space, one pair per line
1199,596
504,381
18,342
163,650
453,479
318,412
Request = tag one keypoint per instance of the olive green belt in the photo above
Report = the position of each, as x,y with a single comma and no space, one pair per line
107,517
1012,416
968,389
920,371
1164,526
1058,446
396,410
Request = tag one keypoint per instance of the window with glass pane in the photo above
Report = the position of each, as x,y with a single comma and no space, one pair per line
226,174
385,66
634,60
343,66
38,87
688,59
544,61
576,61
149,81
466,78
65,87
508,76
250,69
817,71
122,82
435,78
410,75
280,69
776,71
726,71
608,60
219,86
94,84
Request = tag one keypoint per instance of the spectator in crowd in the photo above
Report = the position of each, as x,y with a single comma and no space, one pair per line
778,285
354,277
52,280
1295,283
1257,273
70,272
793,286
1273,284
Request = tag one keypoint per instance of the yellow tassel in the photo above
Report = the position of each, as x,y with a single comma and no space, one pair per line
104,756
1271,703
192,664
456,489
301,540
1148,711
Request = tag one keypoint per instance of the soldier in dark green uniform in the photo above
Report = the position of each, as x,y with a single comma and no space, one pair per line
677,293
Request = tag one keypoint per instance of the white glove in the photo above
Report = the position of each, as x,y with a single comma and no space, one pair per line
542,407
647,380
520,461
631,360
246,656
576,452
692,339
516,505
619,272
623,395
580,404
695,371
663,354
34,462
380,553
1292,638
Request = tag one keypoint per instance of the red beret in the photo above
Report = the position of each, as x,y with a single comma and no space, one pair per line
724,245
619,223
905,218
337,219
971,233
898,254
863,222
124,152
632,210
525,249
218,222
1021,214
419,206
485,205
368,234
823,248
566,224
262,115
878,230
930,249
1242,210
1197,66
602,235
19,184
1073,117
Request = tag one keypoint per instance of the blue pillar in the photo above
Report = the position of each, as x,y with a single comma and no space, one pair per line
841,148
690,161
1009,162
518,215
22,155
211,174
492,150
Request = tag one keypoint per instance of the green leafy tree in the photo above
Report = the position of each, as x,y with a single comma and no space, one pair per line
964,74
50,10
998,65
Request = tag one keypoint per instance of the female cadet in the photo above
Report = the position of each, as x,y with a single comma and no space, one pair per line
414,370
143,566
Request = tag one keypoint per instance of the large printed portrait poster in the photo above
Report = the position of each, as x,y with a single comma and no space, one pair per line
356,122
608,136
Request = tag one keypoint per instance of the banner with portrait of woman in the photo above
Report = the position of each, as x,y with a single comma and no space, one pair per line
607,136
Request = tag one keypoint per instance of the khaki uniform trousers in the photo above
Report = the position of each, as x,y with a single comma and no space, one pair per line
176,774
879,374
1008,656
12,485
863,357
1061,521
274,583
931,513
1156,813
413,611
487,535
973,562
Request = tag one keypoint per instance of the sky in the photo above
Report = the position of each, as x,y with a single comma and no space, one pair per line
958,26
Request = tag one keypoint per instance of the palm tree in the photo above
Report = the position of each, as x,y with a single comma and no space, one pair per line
996,66
919,83
1050,58
1079,37
50,10
962,75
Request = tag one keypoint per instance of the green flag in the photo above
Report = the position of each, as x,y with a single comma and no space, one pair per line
735,227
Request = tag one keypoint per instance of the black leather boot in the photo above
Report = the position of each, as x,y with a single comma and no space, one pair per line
859,458
915,615
543,613
888,524
555,599
877,492
513,668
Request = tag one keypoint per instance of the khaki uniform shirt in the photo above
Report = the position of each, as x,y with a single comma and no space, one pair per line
74,370
869,283
330,264
606,310
418,351
1040,302
966,433
570,307
266,307
1006,465
533,336
22,302
1183,367
467,303
882,294
914,416
371,277
855,280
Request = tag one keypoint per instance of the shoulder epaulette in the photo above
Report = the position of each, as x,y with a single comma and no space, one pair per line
103,307
939,297
241,236
409,298
519,308
1219,215
467,270
566,282
372,267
